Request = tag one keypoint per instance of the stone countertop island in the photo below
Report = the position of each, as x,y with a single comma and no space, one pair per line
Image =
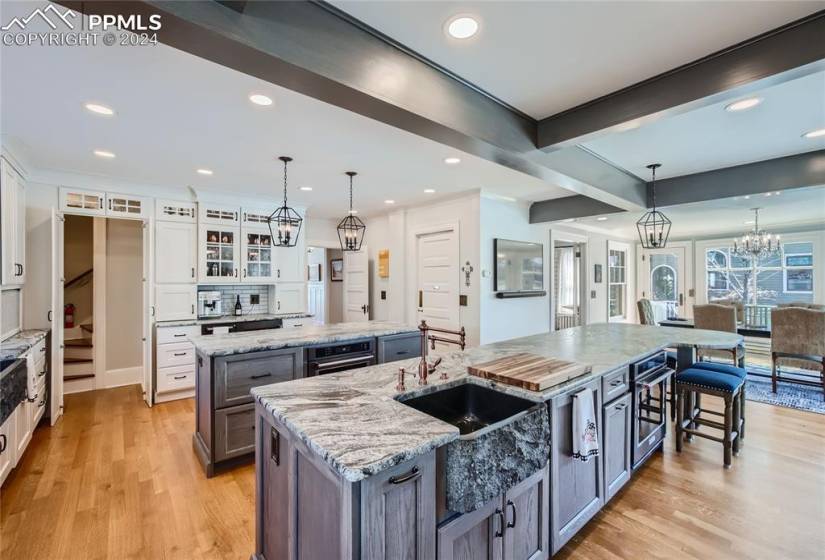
353,420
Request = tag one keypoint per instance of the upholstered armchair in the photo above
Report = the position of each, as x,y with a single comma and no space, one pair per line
716,317
737,303
645,312
798,340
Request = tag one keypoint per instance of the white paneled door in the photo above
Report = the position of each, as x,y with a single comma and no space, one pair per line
662,280
356,286
437,278
56,316
176,252
148,312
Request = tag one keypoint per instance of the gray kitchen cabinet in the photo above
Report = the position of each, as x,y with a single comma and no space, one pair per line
526,511
577,485
511,527
225,415
616,435
398,512
273,461
398,347
477,535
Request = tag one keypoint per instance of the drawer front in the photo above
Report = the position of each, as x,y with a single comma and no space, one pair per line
180,354
235,376
234,431
391,348
39,350
291,323
615,384
175,379
168,335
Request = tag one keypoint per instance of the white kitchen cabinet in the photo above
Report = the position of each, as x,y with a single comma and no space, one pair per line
218,254
175,359
176,211
289,264
176,259
127,206
13,203
175,302
290,298
8,445
257,255
218,214
24,428
80,201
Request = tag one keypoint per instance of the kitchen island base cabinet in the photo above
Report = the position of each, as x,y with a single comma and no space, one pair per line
577,485
306,510
511,527
616,418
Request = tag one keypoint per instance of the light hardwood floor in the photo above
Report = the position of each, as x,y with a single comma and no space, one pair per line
117,480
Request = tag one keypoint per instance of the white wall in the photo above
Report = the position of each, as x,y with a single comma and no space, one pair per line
502,319
321,232
334,291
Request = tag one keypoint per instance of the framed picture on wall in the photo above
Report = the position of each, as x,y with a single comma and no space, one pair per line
597,273
336,268
314,272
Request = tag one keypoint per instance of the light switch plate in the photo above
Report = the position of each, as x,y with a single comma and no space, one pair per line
255,299
592,294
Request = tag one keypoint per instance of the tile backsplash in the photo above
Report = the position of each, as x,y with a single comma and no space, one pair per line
230,293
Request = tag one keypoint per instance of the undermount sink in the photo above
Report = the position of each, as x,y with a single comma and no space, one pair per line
470,407
504,439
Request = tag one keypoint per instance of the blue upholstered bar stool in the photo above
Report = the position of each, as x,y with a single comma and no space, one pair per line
698,381
728,369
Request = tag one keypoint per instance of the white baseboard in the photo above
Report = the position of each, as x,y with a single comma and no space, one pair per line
123,376
174,395
78,385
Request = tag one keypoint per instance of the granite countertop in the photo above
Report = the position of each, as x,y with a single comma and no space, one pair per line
275,339
354,422
17,345
233,319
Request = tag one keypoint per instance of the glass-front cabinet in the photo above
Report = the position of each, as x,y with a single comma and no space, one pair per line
257,254
219,255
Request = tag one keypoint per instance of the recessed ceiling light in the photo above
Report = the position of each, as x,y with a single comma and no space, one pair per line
259,99
100,109
429,191
104,153
768,194
747,196
815,133
462,27
452,160
601,219
205,171
389,202
568,220
306,188
748,222
744,104
777,193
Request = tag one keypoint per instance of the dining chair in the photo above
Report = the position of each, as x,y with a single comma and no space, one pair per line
815,306
737,303
798,340
716,317
645,312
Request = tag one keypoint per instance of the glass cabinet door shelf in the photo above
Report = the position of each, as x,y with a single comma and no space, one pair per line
257,256
220,247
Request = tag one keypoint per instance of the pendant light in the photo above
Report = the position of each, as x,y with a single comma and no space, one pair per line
653,226
351,229
285,222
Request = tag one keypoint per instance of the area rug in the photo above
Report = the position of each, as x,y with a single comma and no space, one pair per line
790,395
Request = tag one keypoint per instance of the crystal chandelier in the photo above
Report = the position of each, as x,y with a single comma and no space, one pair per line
351,229
285,222
653,226
757,243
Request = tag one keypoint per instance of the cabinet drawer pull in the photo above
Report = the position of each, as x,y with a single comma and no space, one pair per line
621,406
179,335
402,352
42,373
511,524
412,475
180,377
260,376
2,442
616,382
179,354
275,446
500,532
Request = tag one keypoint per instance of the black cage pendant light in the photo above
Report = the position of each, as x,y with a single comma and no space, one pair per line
351,229
653,226
285,223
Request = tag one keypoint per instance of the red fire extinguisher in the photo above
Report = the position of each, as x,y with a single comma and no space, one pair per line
68,316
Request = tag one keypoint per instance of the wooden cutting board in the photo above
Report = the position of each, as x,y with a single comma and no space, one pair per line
529,371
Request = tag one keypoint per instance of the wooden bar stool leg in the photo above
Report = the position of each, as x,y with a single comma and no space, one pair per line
680,416
728,428
689,401
672,383
736,421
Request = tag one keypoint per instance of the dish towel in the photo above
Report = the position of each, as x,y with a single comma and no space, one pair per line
31,378
585,436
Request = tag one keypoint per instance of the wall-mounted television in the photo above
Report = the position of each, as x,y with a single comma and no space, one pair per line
519,268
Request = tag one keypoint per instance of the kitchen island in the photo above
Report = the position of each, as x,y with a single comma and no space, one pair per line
344,452
230,365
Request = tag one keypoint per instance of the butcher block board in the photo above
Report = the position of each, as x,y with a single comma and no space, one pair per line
529,371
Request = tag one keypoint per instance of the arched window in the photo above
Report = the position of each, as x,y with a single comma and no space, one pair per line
663,283
717,259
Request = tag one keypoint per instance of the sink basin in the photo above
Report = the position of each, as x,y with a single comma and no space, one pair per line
470,407
504,439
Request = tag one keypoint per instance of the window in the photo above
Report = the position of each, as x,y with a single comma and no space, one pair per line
781,278
617,283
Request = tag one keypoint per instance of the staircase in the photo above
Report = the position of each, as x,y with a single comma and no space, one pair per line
78,356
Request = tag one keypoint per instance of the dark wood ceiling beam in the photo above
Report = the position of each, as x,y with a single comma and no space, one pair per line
783,54
569,208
